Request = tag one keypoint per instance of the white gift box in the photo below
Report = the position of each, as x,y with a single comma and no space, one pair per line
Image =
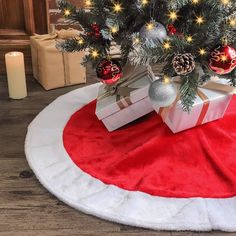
115,110
213,107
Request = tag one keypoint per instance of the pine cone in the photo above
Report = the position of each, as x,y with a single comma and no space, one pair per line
183,64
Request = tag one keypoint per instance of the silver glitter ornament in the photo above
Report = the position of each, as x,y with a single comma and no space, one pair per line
162,93
154,32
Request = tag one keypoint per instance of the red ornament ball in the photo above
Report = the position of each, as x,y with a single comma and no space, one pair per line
171,29
95,31
109,71
223,60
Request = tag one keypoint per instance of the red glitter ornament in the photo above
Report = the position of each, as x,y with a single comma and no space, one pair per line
109,71
223,60
171,29
95,31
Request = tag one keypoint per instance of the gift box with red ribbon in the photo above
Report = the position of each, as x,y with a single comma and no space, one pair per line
211,103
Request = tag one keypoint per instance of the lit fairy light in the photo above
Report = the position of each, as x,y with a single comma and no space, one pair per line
225,2
150,26
80,41
166,79
224,58
67,12
173,15
202,51
94,53
189,39
232,22
166,45
117,7
199,20
136,40
144,2
114,29
88,3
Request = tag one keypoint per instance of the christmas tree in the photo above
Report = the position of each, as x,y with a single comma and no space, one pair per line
193,39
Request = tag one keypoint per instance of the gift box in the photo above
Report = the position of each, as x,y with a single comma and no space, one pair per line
55,69
211,104
128,101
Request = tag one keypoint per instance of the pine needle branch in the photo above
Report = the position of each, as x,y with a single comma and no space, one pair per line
188,91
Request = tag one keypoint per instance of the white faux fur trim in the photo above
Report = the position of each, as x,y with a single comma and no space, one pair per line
56,172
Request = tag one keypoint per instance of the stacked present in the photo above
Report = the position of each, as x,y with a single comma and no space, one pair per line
159,35
130,100
54,69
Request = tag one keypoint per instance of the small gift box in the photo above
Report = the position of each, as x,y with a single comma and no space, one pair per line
54,69
127,101
211,104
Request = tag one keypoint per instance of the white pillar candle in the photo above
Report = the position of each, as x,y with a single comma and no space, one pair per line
16,75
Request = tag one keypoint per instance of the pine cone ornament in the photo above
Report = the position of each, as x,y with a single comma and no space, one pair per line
183,64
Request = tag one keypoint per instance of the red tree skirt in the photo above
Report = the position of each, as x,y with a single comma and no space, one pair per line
145,156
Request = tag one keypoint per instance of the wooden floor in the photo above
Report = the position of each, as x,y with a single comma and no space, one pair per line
26,208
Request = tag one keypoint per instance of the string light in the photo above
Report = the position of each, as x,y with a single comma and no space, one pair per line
117,7
80,41
88,3
225,2
94,53
136,40
114,29
173,15
189,39
232,22
195,1
67,12
150,26
144,2
224,58
166,45
202,51
166,79
199,20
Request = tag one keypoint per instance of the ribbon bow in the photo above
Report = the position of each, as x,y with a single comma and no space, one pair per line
59,34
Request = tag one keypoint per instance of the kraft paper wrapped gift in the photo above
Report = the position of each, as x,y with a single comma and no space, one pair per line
211,104
54,69
115,110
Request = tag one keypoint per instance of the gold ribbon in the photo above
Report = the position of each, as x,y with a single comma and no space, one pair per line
66,68
58,34
211,85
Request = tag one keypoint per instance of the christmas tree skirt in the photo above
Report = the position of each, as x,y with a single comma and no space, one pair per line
140,175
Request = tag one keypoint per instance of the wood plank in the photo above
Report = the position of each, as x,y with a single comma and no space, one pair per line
11,14
19,19
29,17
214,234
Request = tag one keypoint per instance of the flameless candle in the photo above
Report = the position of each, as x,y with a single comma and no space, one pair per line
16,75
